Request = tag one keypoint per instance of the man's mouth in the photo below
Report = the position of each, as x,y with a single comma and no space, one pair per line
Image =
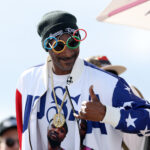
68,59
54,136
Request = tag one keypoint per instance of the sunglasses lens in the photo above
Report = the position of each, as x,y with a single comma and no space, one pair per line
10,142
48,45
72,43
60,46
47,42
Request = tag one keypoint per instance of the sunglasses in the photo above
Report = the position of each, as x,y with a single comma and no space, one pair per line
11,142
59,45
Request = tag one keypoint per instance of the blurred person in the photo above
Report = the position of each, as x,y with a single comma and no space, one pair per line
8,134
130,141
47,90
56,136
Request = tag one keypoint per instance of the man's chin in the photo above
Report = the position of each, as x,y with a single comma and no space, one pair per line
54,143
67,68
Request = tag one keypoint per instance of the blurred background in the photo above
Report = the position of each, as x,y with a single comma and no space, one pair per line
20,45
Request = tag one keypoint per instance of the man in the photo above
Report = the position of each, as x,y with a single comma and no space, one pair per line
128,139
8,134
56,136
67,88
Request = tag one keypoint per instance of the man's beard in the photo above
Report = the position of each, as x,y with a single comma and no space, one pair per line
53,143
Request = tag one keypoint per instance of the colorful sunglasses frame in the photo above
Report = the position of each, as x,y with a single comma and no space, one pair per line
65,43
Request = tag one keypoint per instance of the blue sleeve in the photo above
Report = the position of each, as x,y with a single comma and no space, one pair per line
134,111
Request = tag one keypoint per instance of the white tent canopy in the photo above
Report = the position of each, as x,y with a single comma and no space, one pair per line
127,12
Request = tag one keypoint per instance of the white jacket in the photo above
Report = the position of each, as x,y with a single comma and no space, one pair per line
124,111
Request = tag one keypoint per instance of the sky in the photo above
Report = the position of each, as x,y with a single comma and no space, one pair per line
21,48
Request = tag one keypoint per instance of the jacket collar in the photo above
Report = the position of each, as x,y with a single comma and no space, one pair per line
76,71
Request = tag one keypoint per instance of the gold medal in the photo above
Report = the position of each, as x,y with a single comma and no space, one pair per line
58,120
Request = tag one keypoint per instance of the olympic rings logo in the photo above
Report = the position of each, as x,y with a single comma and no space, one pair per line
79,30
59,45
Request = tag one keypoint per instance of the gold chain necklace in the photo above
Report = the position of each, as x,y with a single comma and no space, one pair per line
58,119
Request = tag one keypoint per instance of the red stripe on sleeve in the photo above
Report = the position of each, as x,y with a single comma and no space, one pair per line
19,115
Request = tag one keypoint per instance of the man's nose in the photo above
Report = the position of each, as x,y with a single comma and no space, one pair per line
68,52
56,130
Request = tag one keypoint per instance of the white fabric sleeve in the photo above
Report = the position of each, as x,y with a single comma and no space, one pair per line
112,116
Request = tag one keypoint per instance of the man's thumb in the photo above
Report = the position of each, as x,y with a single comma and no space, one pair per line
92,94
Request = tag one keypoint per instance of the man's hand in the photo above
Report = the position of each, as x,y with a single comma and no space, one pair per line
92,110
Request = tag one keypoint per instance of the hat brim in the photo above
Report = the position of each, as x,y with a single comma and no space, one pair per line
117,68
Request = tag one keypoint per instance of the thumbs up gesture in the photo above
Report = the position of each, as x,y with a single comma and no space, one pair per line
92,110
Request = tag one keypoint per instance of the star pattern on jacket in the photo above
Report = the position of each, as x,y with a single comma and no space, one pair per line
128,89
128,104
130,121
143,132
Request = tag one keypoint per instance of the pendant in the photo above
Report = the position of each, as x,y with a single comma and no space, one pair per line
58,120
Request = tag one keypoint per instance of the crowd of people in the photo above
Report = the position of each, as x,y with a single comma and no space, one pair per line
69,103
